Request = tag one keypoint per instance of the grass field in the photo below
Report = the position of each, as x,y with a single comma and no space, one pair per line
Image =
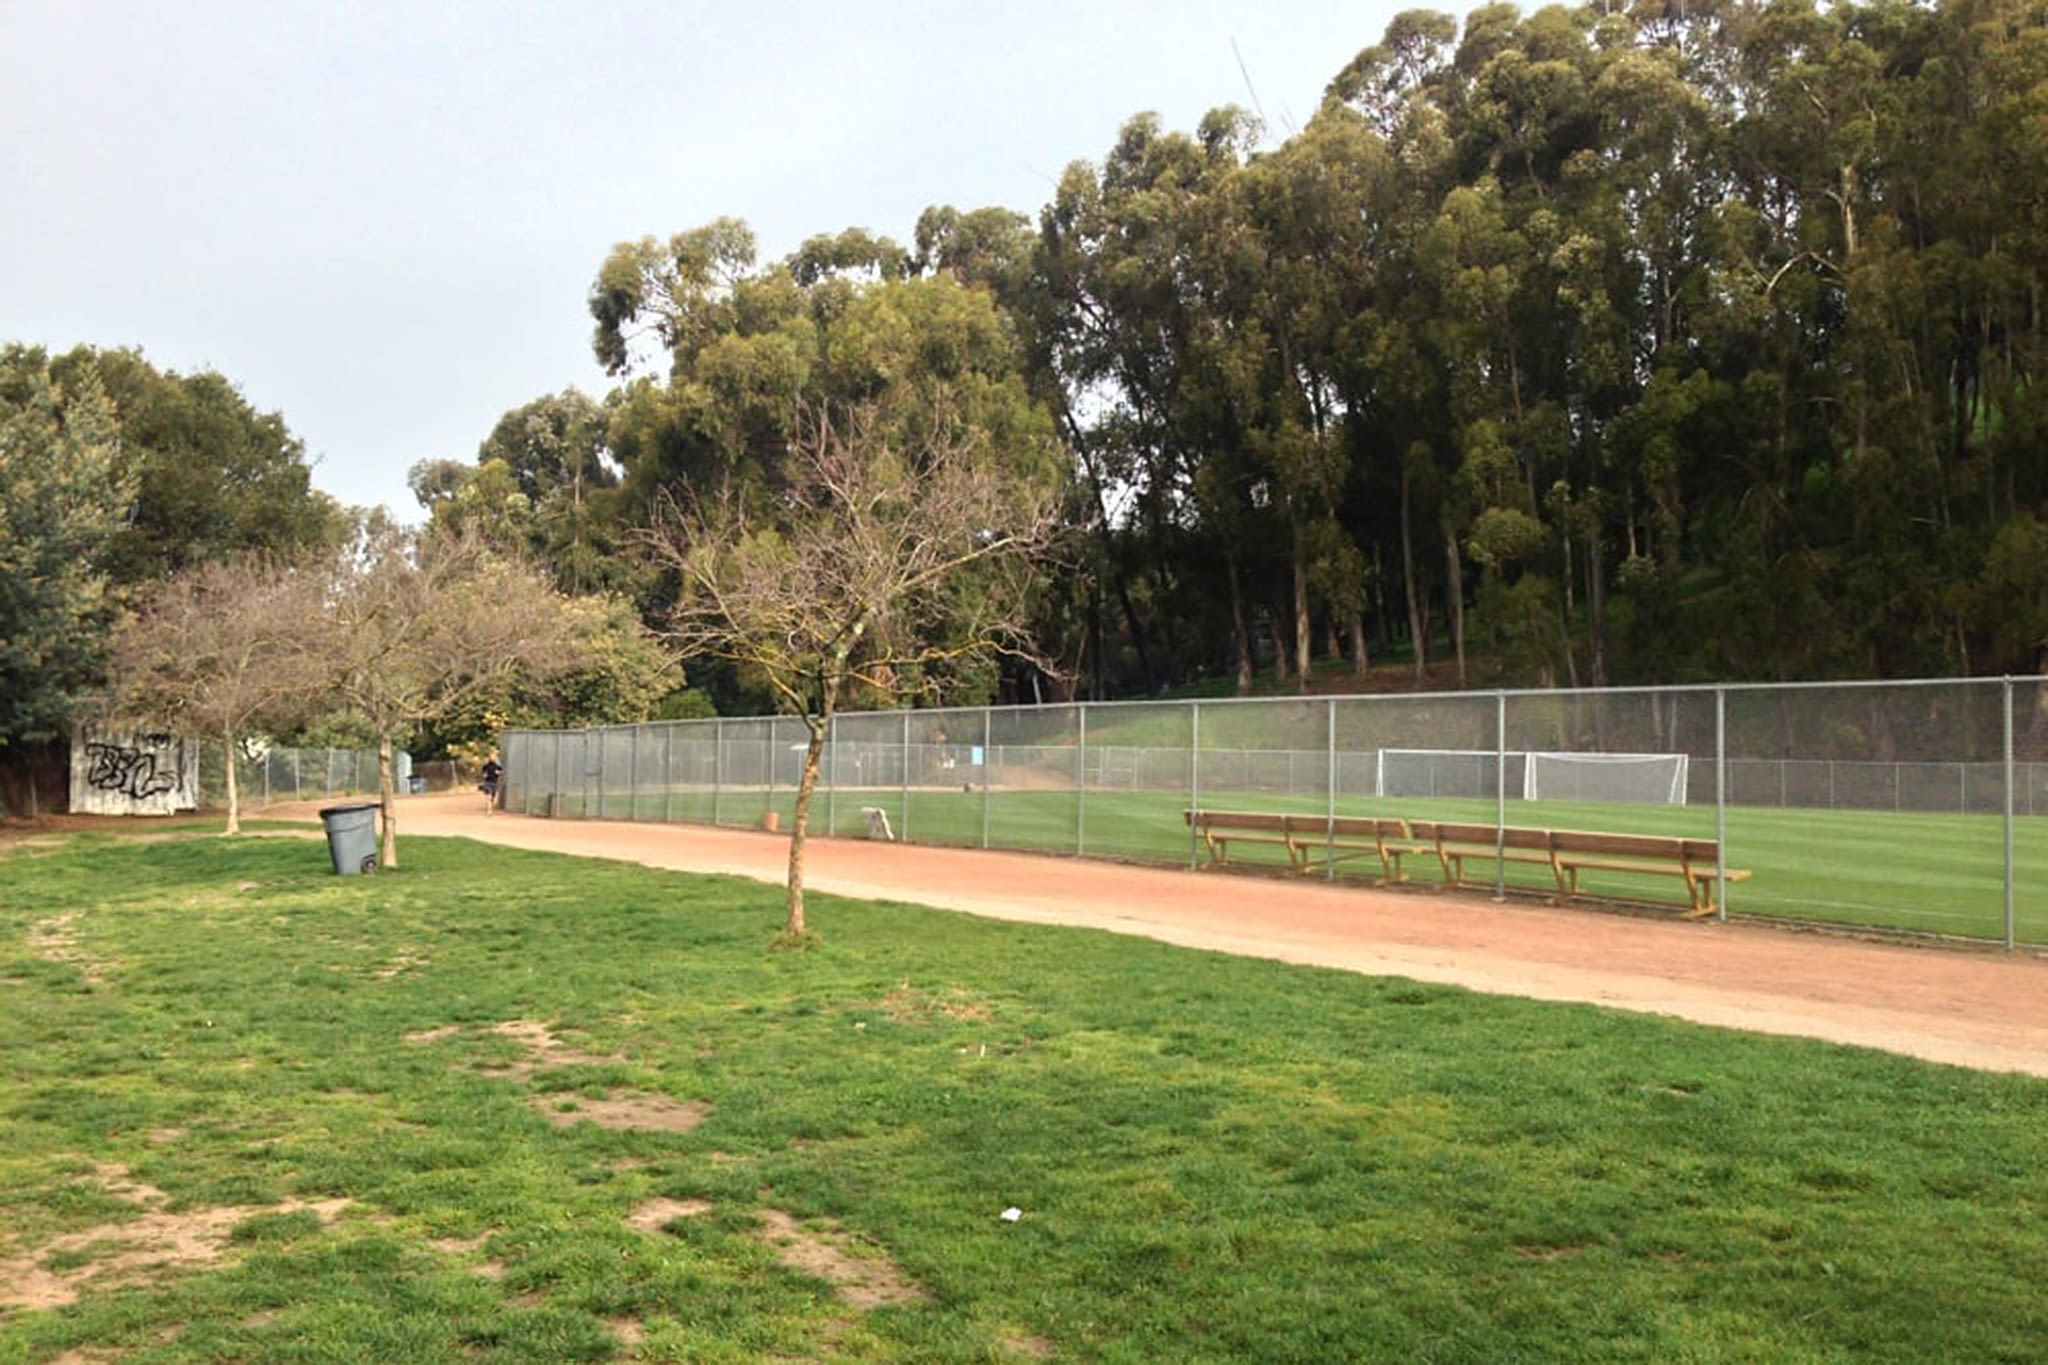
1924,873
504,1107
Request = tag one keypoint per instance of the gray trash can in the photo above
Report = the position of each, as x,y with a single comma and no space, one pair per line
352,837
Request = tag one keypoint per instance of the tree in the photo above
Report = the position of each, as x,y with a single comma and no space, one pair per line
213,476
418,625
222,647
886,566
63,501
622,672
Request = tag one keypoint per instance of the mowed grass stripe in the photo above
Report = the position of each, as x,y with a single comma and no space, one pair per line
1216,1159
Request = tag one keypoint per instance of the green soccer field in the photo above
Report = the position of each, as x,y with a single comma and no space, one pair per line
1913,872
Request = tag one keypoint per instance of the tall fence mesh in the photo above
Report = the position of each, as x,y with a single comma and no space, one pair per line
273,773
1918,806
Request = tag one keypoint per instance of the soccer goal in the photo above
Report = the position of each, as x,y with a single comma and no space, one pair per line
1654,779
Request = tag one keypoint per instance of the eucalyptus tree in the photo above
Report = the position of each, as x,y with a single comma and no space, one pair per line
1127,314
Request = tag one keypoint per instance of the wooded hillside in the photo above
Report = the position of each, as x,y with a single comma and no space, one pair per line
1585,346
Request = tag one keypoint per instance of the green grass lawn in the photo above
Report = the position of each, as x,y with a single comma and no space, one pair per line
1924,873
1215,1159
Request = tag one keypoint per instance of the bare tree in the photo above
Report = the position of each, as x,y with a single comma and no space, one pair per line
222,648
880,566
415,625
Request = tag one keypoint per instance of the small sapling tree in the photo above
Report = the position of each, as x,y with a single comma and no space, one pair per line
417,625
892,553
223,648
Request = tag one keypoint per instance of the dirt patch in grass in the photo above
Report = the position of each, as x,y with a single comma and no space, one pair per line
653,1215
56,940
1025,1344
421,1037
863,1277
614,1109
543,1050
112,1254
464,1248
914,1004
639,1113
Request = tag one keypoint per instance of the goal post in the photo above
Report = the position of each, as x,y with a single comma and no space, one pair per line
1653,779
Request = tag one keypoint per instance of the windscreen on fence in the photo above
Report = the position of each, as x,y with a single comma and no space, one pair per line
1883,805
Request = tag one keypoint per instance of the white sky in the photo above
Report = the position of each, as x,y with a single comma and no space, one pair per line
381,217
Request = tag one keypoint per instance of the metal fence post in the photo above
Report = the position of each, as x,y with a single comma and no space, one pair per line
717,765
988,755
1500,795
2010,924
904,774
1081,783
1194,776
1721,804
1330,794
668,772
633,773
831,774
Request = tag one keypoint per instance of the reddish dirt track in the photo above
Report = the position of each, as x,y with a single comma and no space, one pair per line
1966,1007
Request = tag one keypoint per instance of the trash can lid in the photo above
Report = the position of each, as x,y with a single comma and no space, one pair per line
354,806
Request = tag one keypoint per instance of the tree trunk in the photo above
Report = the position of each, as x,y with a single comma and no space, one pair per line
1303,672
1361,663
388,855
1418,624
1109,557
1240,630
234,797
1596,609
800,825
1454,602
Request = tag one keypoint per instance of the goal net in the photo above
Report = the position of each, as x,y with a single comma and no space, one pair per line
1655,779
1448,772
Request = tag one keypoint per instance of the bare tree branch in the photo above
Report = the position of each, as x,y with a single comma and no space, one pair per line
878,564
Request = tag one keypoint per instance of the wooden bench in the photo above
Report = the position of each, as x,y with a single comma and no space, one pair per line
1358,836
1695,860
1321,840
1454,843
1311,840
1221,828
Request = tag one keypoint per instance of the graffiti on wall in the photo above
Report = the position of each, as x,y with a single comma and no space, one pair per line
130,769
144,772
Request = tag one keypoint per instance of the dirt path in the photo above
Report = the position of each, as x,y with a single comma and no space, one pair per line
1970,1008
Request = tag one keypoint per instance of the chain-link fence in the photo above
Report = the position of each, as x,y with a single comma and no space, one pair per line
1913,806
273,774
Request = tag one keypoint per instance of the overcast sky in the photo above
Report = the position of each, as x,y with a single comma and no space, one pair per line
381,219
